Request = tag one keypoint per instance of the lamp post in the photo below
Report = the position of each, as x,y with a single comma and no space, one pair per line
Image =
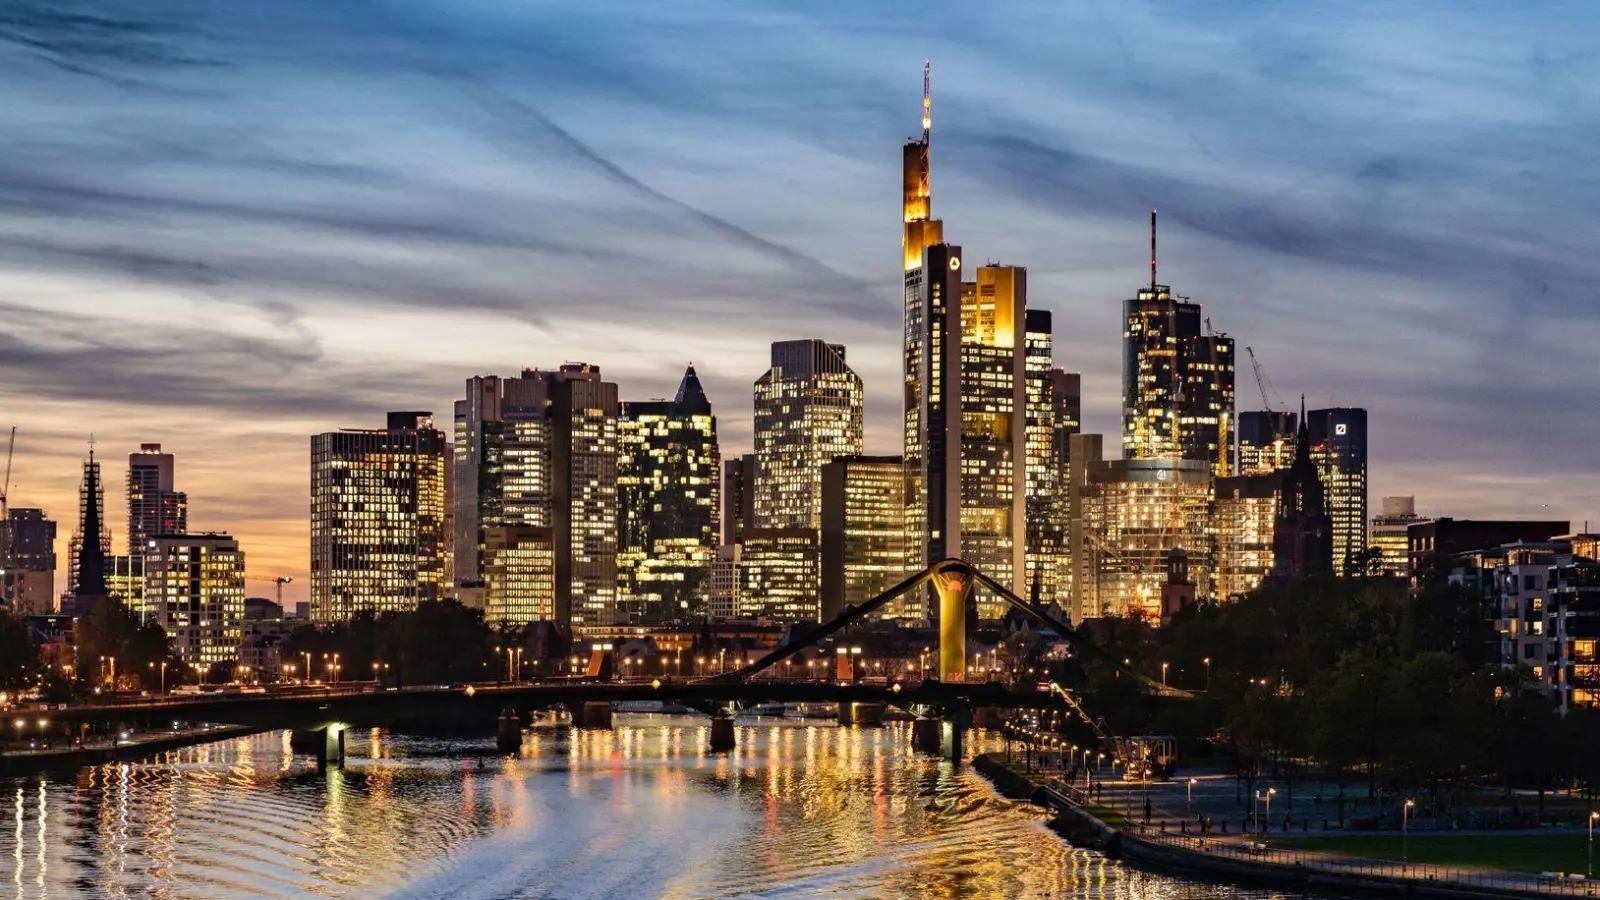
1189,807
1593,816
1268,816
1405,835
1164,674
307,675
1207,662
163,676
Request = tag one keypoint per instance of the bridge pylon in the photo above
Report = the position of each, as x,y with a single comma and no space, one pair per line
952,581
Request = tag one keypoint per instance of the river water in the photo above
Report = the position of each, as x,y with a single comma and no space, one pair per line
800,810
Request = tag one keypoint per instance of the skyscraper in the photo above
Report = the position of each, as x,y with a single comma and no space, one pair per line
1339,450
863,533
27,562
667,486
154,506
540,450
1066,396
738,497
478,451
779,575
1045,517
194,589
377,518
1177,381
1266,441
808,410
519,574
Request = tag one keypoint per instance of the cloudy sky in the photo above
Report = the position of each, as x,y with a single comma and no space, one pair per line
226,226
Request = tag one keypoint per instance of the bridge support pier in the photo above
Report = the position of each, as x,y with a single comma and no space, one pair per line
594,714
940,737
325,743
508,736
860,713
723,734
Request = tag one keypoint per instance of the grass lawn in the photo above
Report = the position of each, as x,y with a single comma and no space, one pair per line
1511,853
1109,816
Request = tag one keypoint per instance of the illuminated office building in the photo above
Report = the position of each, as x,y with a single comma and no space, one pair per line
1136,513
1389,535
1339,450
27,562
1245,516
863,533
807,411
154,507
540,450
519,574
779,576
1042,511
194,589
1066,398
377,518
667,485
724,599
1205,414
1177,380
1266,441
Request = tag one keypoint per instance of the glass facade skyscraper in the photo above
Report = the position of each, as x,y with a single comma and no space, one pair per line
1339,450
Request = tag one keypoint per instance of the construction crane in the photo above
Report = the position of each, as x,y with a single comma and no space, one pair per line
279,580
5,489
1261,381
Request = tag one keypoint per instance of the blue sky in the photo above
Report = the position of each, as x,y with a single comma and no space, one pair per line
225,226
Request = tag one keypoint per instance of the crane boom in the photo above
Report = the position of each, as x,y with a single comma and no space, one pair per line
5,489
1261,383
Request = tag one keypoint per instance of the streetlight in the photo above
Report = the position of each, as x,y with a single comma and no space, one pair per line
1207,662
1268,817
307,655
163,675
1190,806
1164,674
1405,834
1593,816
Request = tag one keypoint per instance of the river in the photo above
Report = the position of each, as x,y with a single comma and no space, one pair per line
800,810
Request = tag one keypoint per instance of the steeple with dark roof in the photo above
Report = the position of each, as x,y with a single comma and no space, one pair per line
1302,540
91,555
691,399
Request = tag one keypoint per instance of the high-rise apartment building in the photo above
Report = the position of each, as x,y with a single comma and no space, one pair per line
1389,535
863,533
1266,441
194,589
27,562
154,505
377,518
667,486
1205,411
1339,449
808,410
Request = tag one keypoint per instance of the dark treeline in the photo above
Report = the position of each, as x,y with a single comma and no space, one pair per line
1351,679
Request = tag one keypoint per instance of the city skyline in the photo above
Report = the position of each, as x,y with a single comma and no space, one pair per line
1031,162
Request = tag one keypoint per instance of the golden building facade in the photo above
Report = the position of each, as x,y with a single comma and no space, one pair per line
1245,519
194,589
1136,512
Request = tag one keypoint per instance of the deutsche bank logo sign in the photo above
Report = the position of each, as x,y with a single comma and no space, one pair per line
1340,428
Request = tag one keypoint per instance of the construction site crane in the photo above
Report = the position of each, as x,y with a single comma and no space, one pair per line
279,580
5,489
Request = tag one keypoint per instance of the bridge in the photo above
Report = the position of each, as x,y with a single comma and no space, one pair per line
945,705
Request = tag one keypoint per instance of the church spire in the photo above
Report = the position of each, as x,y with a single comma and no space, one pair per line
92,553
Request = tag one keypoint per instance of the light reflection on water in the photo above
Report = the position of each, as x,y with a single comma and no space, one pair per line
798,810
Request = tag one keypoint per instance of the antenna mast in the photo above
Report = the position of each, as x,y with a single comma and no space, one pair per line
5,490
1152,251
927,100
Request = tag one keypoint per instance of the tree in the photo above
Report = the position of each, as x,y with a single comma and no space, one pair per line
17,656
110,631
